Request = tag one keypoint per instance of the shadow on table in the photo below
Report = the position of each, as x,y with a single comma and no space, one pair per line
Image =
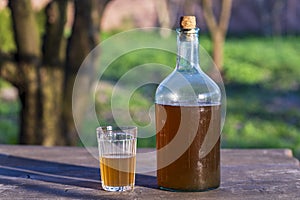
60,173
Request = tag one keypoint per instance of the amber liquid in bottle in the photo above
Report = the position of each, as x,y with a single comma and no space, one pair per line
189,172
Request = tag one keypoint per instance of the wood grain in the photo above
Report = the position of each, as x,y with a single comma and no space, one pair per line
72,173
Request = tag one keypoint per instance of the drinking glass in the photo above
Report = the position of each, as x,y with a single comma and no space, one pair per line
117,156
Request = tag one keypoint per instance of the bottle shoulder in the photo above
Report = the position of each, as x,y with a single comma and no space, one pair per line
188,88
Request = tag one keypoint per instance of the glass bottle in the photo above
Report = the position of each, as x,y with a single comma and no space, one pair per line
188,120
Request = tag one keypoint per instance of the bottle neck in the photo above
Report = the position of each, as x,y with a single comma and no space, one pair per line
188,50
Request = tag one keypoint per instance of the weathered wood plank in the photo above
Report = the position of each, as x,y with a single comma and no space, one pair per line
72,173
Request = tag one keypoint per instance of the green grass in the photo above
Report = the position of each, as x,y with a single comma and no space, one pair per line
262,76
262,118
270,62
262,83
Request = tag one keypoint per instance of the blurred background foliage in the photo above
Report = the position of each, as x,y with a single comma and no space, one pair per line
261,76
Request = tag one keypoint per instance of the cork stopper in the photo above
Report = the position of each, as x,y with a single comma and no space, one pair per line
188,22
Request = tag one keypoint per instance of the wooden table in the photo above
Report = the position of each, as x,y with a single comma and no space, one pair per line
28,172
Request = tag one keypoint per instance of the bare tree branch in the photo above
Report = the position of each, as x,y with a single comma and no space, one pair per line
209,15
217,27
214,24
225,15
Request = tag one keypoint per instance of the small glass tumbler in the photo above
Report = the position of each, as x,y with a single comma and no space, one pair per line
117,155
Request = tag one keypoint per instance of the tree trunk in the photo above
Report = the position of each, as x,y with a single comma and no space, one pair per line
51,98
39,72
41,87
85,36
51,74
30,113
28,43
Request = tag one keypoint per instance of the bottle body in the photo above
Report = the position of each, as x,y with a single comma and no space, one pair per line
190,171
187,111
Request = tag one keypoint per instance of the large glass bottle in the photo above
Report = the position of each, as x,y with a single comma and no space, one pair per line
187,110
